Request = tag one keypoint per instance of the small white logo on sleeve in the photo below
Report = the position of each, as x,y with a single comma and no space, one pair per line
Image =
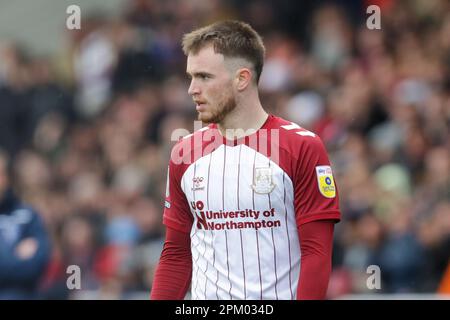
167,183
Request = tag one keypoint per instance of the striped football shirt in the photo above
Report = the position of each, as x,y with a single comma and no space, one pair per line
242,202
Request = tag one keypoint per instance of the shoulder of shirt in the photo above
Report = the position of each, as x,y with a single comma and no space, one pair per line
292,135
186,145
190,137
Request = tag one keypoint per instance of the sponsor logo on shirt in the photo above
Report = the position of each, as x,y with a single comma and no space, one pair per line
239,219
325,181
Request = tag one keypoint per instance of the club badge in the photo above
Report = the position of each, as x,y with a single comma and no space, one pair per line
262,181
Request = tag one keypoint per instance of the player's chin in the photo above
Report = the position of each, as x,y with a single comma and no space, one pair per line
205,117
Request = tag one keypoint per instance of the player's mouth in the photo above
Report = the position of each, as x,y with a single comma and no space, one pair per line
200,106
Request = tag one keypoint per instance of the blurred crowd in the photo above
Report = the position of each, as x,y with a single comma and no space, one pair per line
89,131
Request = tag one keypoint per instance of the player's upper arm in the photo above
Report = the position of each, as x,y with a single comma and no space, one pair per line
315,192
177,214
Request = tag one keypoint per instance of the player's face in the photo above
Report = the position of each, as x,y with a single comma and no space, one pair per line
211,85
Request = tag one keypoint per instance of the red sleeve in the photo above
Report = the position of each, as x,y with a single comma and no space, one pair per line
174,270
316,195
177,214
316,243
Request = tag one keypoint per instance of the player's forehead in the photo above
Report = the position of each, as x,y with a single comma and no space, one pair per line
205,60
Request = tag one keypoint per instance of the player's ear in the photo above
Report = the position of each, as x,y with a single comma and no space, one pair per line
243,78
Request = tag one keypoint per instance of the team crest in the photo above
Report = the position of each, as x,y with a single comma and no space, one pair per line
326,181
262,181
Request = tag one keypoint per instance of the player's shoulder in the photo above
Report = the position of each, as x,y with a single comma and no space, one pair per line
296,142
292,135
189,138
184,149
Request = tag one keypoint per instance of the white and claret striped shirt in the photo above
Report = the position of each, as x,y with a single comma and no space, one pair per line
242,201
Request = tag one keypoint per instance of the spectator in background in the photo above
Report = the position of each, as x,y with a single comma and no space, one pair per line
24,243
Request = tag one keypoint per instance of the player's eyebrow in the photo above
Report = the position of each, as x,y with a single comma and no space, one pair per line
198,74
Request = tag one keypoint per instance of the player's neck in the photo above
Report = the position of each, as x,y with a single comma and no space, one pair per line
245,119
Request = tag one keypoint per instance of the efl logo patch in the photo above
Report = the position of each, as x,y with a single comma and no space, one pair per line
326,181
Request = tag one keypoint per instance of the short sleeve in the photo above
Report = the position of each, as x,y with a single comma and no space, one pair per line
316,194
177,214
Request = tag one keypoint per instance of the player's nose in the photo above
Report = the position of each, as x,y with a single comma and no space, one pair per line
193,88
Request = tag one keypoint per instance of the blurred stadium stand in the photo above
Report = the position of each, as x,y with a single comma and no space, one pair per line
87,116
39,25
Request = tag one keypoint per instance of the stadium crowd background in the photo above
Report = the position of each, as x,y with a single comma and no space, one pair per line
89,129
